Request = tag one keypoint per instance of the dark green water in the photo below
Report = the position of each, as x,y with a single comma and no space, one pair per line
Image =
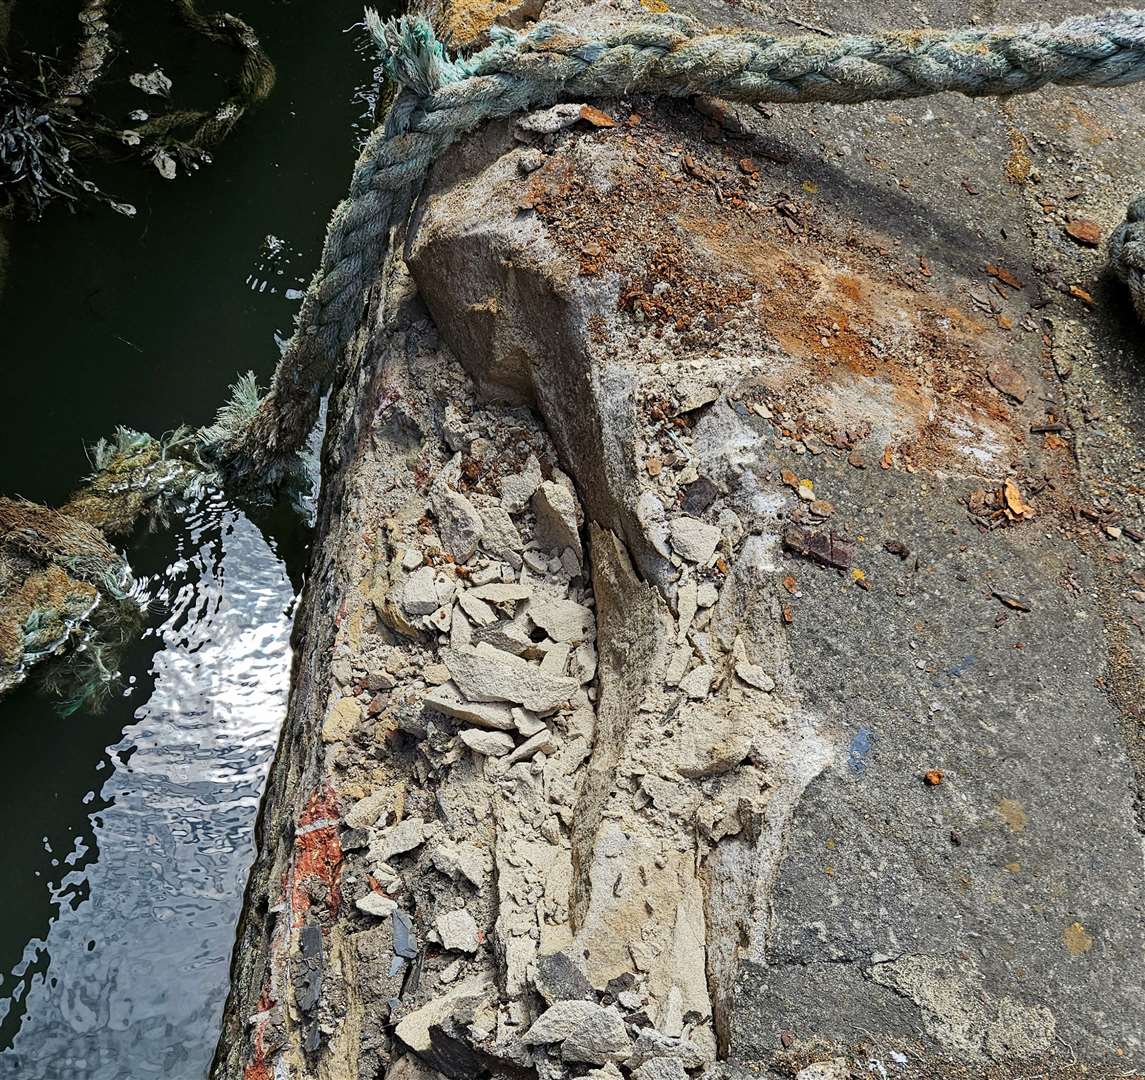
126,834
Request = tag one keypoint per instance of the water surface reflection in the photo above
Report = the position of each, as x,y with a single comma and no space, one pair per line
129,980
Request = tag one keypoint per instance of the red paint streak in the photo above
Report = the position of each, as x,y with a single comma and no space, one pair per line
317,855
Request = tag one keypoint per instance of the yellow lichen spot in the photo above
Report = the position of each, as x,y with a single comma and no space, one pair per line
1077,940
657,7
1018,165
1014,814
829,843
829,871
810,187
1013,867
857,574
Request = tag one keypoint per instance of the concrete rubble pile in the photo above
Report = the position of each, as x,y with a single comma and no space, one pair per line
711,666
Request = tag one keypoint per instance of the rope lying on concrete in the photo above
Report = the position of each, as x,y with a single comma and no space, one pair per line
1127,253
442,98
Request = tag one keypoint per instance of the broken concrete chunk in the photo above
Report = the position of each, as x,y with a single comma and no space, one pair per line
551,120
754,675
541,743
707,594
424,1030
487,743
695,540
586,1031
686,605
502,592
341,720
558,518
365,812
488,674
664,1068
558,977
601,1039
678,664
717,758
528,724
458,521
479,612
457,931
651,1044
397,840
563,620
517,490
447,699
420,595
459,860
584,663
555,661
834,1069
374,903
697,684
501,537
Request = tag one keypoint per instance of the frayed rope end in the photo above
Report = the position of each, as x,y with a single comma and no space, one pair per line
412,54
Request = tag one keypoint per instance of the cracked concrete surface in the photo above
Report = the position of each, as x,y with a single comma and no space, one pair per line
594,766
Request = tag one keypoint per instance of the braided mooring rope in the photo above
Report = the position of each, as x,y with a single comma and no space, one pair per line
442,98
1127,253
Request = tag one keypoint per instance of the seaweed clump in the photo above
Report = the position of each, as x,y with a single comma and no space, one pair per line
49,122
62,582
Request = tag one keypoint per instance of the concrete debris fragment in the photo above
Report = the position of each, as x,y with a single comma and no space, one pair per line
587,1032
558,517
365,812
541,743
423,592
564,620
424,1031
695,540
502,593
687,604
457,931
551,120
558,977
500,536
459,523
488,674
518,489
697,684
398,839
376,904
476,610
754,675
678,664
661,1069
460,861
447,699
487,743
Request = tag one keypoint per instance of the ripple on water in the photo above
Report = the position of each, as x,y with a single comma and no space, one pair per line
130,980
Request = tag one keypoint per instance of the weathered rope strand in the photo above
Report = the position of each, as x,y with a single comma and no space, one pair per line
1127,253
443,97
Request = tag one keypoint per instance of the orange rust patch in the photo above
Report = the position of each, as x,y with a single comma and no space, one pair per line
696,242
